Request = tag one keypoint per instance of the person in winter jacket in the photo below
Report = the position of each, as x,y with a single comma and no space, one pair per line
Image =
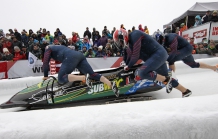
146,30
18,55
197,21
37,52
214,17
7,56
100,52
140,28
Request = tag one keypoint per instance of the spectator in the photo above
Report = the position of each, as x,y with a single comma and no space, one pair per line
173,28
212,49
103,40
183,27
30,44
61,40
100,52
49,38
79,45
70,43
93,34
2,34
44,33
133,28
200,49
86,43
17,34
89,53
8,36
140,28
25,32
15,42
167,30
87,33
7,44
95,49
37,52
74,37
24,38
59,33
96,38
109,50
112,32
7,56
34,36
18,55
25,52
214,16
55,35
106,32
122,27
206,17
205,42
197,21
65,40
129,31
42,47
30,32
11,32
84,50
146,30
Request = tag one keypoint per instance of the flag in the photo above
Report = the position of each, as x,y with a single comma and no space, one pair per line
32,60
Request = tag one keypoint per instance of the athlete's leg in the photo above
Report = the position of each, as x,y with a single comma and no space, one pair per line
164,71
180,55
85,68
67,67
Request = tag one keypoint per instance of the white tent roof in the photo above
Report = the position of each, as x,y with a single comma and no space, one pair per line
197,9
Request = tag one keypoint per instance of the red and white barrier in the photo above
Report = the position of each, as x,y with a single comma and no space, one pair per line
20,68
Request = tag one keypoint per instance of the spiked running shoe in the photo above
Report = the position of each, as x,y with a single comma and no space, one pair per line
187,93
115,89
88,82
169,86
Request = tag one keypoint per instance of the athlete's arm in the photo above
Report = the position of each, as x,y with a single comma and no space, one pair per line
136,47
173,47
47,57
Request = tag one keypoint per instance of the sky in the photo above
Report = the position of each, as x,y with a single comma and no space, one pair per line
75,15
167,117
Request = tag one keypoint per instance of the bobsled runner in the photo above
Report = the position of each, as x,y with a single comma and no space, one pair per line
49,92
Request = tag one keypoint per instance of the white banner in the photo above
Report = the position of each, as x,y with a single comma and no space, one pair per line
214,31
198,32
20,68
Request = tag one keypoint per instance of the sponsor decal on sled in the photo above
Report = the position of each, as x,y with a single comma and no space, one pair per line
103,87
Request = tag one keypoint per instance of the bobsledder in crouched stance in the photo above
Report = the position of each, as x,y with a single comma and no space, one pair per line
70,60
139,45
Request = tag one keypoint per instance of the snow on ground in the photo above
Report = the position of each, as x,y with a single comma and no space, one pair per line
167,117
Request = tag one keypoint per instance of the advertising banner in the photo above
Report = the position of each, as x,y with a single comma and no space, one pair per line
198,32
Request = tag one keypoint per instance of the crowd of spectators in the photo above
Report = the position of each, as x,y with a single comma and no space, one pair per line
16,45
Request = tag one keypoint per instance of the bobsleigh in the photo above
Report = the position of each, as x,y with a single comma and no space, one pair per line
49,93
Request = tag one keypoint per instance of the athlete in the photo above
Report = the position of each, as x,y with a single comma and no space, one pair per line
70,60
142,46
181,49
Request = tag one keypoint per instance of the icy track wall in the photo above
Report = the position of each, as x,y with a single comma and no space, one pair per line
173,118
